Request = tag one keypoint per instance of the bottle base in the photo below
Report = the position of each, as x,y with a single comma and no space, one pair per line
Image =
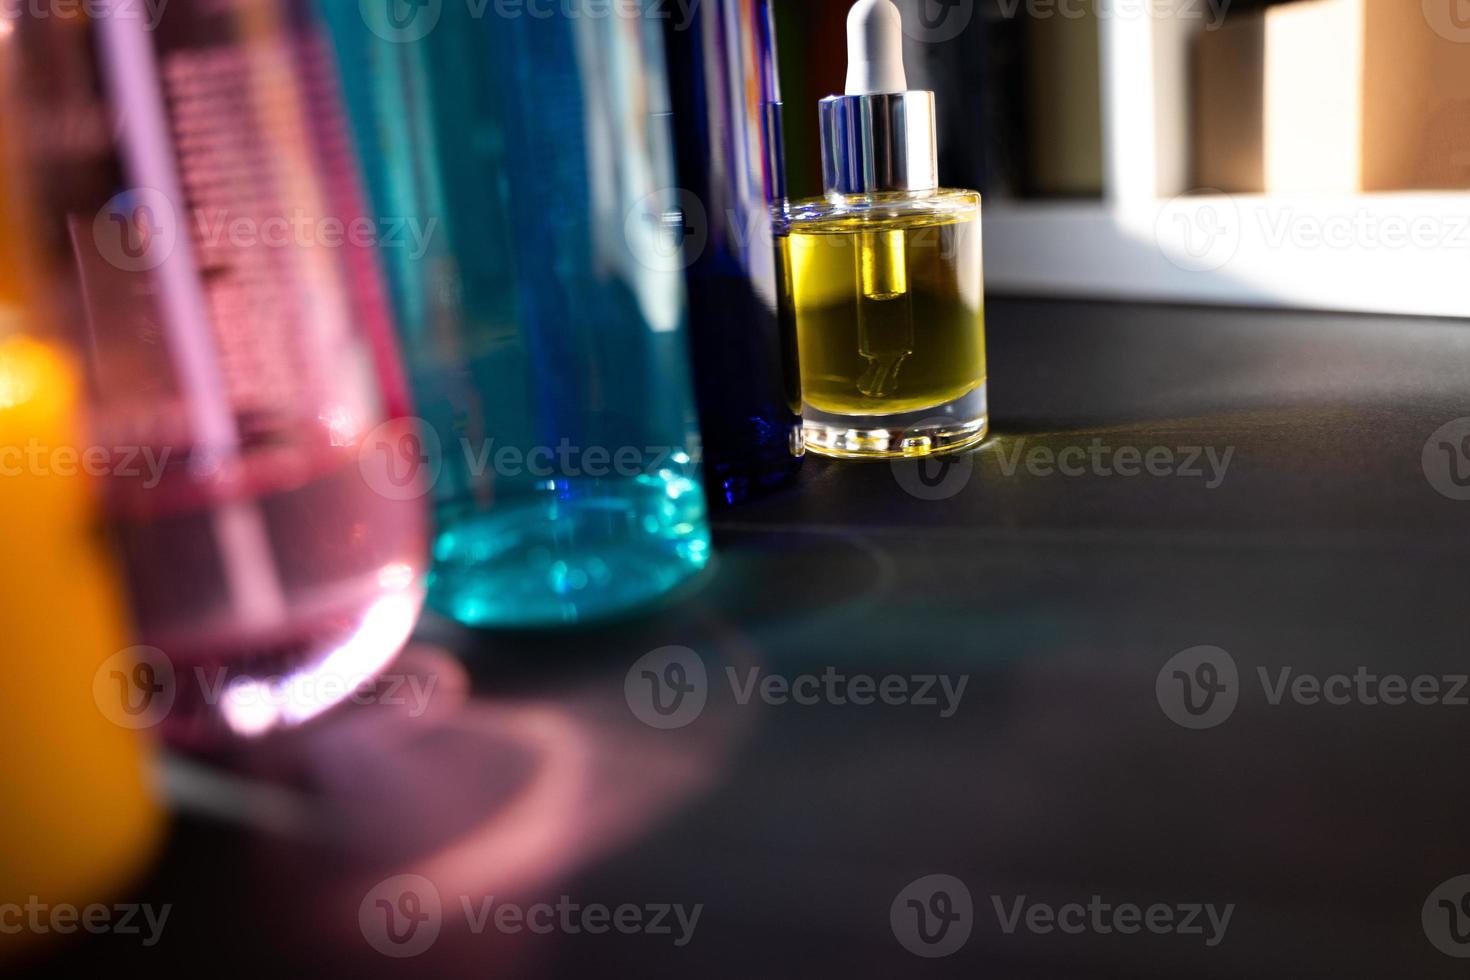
240,685
755,474
578,554
953,427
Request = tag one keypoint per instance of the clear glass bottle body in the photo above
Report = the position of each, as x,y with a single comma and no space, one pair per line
887,296
196,191
544,320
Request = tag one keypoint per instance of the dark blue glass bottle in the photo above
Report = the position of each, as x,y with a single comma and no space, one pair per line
728,147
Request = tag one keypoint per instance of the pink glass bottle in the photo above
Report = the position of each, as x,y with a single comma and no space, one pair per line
204,220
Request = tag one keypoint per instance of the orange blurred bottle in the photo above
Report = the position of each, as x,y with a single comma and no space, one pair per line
78,815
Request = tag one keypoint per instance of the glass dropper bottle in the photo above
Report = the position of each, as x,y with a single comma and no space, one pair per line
884,274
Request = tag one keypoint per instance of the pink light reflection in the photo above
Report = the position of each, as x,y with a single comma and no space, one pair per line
253,706
544,823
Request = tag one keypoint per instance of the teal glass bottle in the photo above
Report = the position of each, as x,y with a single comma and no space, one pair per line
539,295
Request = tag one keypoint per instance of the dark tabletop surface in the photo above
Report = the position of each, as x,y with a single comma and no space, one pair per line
1299,522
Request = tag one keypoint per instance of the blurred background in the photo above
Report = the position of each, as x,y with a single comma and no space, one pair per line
1301,153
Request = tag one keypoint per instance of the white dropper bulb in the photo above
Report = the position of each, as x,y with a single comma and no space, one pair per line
875,49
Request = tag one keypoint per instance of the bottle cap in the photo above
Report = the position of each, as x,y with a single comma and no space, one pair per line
877,137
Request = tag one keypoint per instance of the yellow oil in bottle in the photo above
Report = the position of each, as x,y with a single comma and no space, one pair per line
888,311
